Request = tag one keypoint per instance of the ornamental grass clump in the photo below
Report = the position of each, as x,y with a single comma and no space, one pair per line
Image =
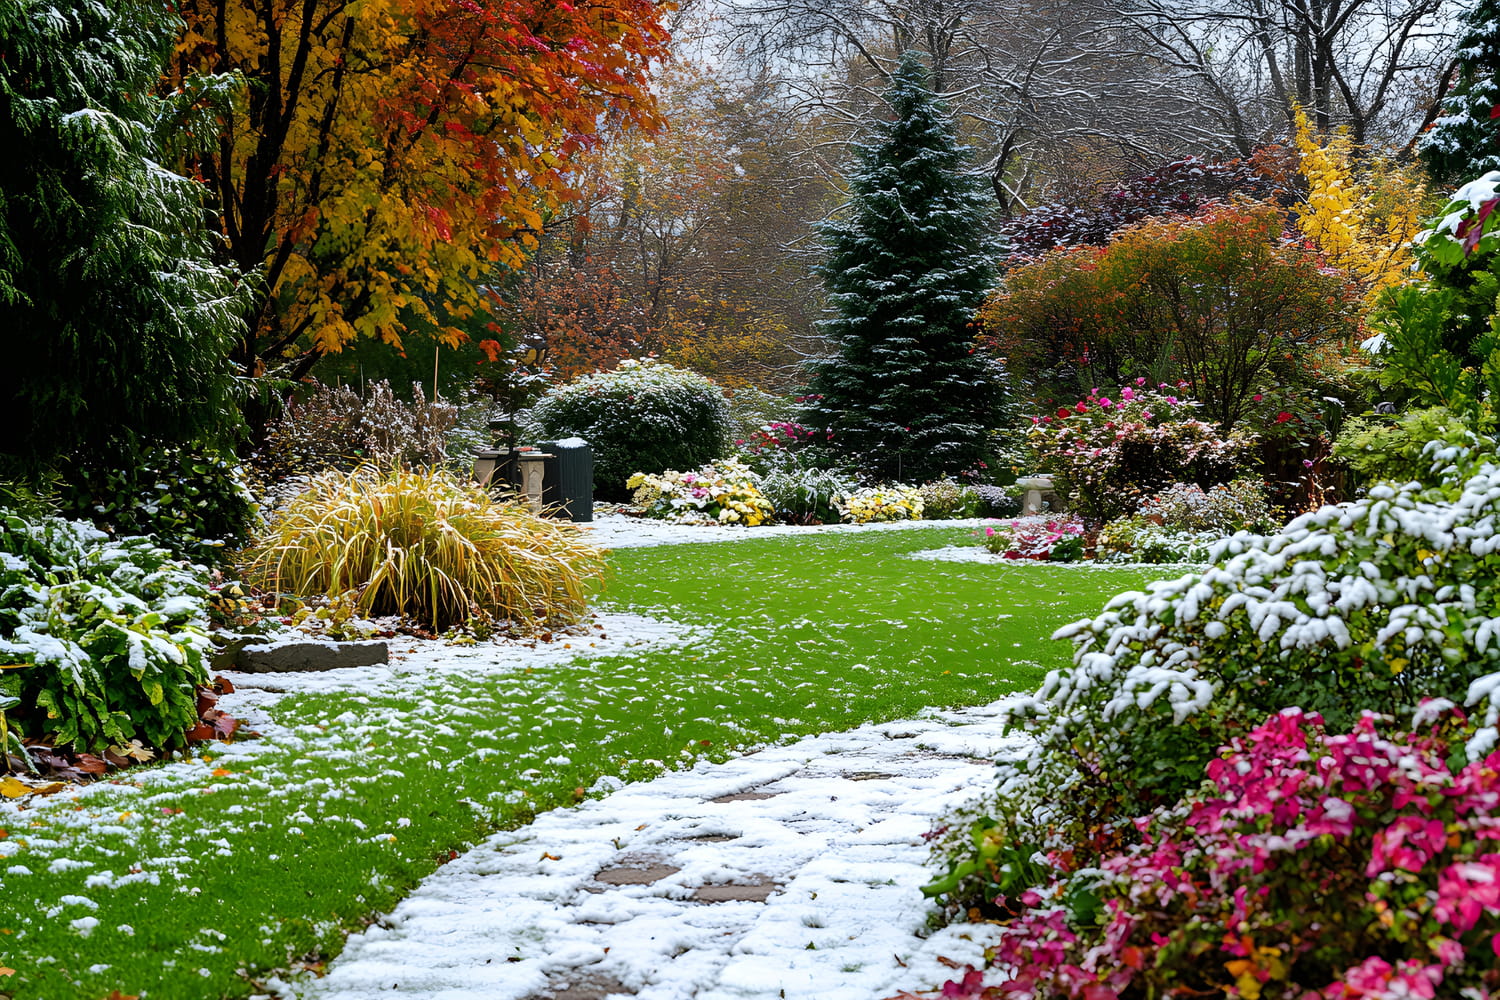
426,545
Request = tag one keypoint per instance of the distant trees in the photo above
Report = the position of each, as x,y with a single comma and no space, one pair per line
680,243
904,393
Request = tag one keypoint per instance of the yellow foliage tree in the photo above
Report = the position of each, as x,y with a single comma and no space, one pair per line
1362,209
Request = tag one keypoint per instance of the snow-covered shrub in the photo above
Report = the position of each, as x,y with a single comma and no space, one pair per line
1109,452
431,545
1182,522
1373,605
1136,538
872,504
1240,505
1309,865
338,428
997,501
645,416
113,632
723,492
805,495
1046,539
947,498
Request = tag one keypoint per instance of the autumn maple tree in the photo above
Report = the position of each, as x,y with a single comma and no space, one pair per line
382,158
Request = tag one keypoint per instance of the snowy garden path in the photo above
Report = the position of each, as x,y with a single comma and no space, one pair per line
788,873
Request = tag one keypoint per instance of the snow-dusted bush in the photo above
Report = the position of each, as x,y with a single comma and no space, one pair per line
1229,507
872,504
947,498
1182,522
645,416
805,495
1373,605
113,633
723,492
338,428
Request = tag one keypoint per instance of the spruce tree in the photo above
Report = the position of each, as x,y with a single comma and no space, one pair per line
118,324
1465,142
909,259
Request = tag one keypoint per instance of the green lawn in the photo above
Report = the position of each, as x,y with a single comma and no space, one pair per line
201,879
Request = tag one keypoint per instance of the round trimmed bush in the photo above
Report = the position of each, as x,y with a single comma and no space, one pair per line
645,416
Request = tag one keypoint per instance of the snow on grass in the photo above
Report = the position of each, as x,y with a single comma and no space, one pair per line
258,854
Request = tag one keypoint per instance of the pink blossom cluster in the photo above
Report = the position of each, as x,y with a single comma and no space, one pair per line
1031,539
779,434
1312,866
1113,449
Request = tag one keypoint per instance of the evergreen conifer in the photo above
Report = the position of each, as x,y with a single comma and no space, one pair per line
905,394
1465,142
118,325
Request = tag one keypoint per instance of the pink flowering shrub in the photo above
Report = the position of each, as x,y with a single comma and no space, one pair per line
1055,540
1111,449
1308,866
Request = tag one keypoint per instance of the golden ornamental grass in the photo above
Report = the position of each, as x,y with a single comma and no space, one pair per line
427,545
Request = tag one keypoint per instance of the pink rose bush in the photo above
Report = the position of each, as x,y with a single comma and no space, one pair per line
1308,865
1109,451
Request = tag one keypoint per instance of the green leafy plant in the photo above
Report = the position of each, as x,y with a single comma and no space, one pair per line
112,633
1399,449
645,416
1436,338
805,495
195,501
428,545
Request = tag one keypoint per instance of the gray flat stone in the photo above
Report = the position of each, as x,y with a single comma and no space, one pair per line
735,892
628,874
746,797
311,656
589,986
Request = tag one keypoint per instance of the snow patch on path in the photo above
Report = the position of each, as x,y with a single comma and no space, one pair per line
837,830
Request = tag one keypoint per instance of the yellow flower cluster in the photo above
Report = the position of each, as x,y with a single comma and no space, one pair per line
882,503
724,492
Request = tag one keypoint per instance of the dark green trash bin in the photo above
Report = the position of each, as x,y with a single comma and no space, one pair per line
574,478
